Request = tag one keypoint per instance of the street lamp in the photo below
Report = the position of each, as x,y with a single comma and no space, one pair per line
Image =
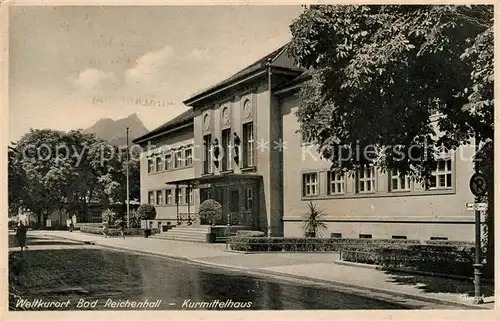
128,187
477,257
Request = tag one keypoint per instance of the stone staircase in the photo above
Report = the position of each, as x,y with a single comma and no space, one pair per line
184,233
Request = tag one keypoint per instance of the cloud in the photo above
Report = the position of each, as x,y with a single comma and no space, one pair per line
200,55
92,80
148,65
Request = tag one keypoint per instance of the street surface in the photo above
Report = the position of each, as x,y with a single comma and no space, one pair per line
59,270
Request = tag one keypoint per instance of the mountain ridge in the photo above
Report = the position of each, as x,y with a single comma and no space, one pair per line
115,131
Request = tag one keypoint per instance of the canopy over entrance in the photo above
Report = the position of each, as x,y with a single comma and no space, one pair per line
237,193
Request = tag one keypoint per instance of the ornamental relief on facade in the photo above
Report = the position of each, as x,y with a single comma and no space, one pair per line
207,120
225,116
247,108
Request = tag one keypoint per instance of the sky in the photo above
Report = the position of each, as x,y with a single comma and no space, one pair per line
70,66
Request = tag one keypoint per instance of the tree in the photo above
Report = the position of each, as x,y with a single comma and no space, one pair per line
15,182
384,70
52,170
313,221
209,211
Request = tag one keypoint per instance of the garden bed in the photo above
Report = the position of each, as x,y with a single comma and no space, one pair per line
435,258
116,232
247,243
444,257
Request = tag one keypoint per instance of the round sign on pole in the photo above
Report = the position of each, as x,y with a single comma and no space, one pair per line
478,184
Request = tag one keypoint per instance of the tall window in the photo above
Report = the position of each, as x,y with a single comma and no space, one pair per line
336,184
248,145
178,159
150,166
188,156
159,197
441,175
249,199
226,139
159,164
207,157
168,162
310,184
189,195
169,196
365,180
205,194
179,195
151,198
398,183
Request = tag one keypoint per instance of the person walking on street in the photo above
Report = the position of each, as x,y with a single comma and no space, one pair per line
21,235
105,229
122,229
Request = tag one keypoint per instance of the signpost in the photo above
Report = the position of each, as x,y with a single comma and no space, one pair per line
477,184
478,187
476,206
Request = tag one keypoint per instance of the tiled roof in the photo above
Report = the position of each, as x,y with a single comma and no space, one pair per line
183,119
306,75
277,58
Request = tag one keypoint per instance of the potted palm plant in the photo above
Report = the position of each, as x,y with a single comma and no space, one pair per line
313,222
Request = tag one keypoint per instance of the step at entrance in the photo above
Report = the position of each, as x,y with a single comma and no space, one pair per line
184,233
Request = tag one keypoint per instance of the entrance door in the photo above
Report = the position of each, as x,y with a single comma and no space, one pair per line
234,206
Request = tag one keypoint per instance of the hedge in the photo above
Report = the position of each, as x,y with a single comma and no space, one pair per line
437,258
288,244
247,243
445,257
115,231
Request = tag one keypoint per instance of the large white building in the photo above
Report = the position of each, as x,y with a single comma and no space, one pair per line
267,187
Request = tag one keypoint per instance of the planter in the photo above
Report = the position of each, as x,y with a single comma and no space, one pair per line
211,237
310,234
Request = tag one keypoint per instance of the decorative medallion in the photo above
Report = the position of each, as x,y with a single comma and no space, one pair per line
225,116
206,121
247,109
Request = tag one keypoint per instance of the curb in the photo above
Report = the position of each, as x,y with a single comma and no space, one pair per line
340,287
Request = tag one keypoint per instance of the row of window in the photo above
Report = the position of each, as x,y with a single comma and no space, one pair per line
365,180
247,145
162,197
394,237
174,160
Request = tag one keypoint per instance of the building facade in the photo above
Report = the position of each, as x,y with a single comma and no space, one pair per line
239,143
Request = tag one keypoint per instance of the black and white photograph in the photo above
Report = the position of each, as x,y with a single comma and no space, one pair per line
248,157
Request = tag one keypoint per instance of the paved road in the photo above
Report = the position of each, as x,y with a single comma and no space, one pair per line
59,270
311,269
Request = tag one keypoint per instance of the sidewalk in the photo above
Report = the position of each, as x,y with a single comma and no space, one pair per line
317,268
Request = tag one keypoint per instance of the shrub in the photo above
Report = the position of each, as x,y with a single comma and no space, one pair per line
242,242
109,216
146,212
444,259
209,211
115,232
12,225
